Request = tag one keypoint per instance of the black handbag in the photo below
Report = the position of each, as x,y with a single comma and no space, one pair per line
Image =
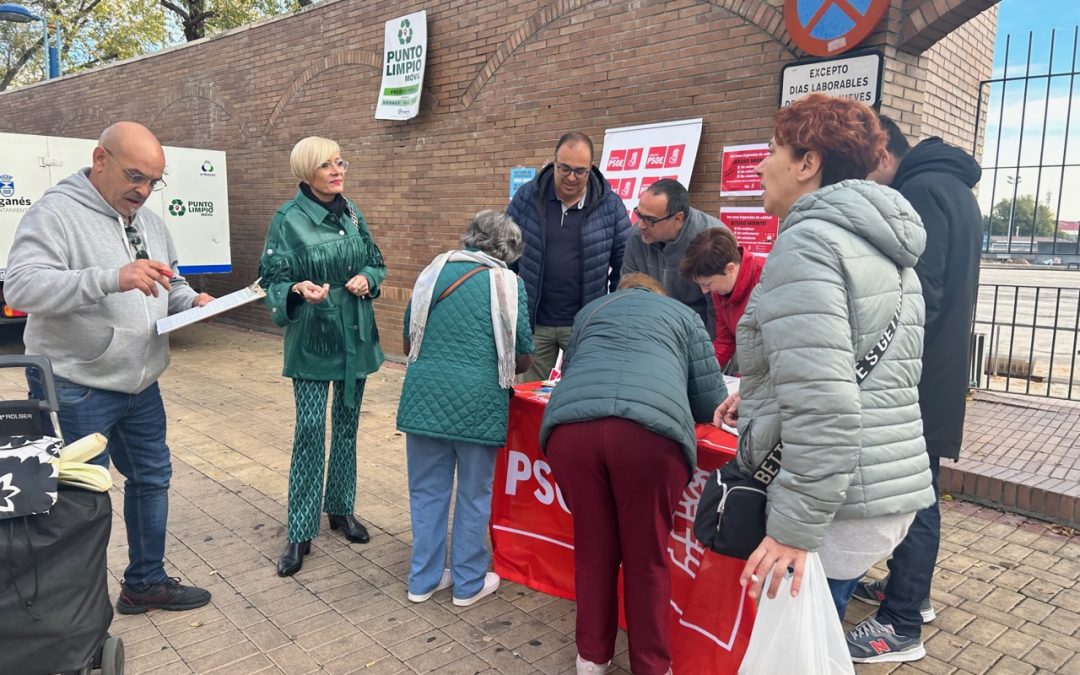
730,518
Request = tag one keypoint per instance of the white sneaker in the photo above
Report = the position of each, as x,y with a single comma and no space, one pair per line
446,582
491,584
589,668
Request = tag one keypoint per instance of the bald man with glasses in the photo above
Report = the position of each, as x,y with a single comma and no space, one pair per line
575,229
96,270
665,224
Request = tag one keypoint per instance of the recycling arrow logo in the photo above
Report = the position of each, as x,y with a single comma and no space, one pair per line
177,208
405,32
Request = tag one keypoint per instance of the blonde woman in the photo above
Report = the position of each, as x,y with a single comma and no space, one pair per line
321,269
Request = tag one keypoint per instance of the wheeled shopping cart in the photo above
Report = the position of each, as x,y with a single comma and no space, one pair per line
54,599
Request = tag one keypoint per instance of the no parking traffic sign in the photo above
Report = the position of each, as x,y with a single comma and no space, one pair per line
827,27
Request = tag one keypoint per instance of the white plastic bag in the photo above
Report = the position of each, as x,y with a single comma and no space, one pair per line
798,635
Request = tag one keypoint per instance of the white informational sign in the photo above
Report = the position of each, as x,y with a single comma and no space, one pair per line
194,202
404,56
857,77
636,157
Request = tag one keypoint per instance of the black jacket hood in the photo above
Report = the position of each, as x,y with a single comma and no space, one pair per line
933,154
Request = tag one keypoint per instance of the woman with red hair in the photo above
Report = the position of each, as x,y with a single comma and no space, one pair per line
853,466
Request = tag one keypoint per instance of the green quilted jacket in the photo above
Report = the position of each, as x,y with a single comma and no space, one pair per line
643,357
452,389
335,339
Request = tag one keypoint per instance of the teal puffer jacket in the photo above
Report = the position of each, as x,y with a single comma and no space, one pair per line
452,389
642,357
828,290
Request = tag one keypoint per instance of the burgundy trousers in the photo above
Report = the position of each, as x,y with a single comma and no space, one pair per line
622,483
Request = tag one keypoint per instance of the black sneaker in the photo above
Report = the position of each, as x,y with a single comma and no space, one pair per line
873,593
873,642
170,595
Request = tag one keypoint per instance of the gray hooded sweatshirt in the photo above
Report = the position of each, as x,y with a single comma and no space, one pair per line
64,269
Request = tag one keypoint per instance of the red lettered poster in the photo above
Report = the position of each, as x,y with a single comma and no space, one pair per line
737,177
754,229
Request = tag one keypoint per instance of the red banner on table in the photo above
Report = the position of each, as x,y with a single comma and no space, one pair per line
533,544
754,229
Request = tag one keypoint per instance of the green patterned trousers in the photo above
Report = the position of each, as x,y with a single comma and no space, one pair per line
309,451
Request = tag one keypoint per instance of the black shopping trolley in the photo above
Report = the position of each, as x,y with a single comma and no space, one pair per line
54,598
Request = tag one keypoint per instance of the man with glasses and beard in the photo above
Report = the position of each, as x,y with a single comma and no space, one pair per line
575,229
665,226
96,271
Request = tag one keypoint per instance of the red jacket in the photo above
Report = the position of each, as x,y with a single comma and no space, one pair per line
729,308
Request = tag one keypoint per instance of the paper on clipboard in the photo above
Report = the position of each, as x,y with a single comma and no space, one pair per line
212,308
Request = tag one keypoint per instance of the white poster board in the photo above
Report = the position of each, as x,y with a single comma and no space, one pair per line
194,202
636,157
404,58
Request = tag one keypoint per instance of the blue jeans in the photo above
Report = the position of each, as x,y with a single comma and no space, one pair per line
841,590
431,464
911,568
134,424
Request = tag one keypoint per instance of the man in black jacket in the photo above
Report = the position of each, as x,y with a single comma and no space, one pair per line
937,179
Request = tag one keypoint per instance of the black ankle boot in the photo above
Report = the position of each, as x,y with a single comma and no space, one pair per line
292,559
354,531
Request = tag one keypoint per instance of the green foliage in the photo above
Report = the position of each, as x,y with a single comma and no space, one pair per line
101,31
1021,216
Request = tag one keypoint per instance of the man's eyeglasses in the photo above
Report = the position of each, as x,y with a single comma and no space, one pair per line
136,243
136,178
340,165
649,220
566,170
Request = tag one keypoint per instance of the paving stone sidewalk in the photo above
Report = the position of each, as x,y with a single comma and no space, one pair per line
1007,590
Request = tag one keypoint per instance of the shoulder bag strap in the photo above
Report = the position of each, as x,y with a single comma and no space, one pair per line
770,466
460,280
864,365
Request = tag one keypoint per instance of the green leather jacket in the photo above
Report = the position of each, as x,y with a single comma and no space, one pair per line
336,339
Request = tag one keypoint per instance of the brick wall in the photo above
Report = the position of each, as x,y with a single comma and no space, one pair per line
504,79
955,66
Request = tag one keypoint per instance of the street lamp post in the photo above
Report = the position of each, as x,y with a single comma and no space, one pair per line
10,11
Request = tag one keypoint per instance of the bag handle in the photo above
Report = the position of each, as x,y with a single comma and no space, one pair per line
454,286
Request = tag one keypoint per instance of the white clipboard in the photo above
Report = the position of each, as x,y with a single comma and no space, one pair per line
213,308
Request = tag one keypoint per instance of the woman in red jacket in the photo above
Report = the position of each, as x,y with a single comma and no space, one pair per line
716,263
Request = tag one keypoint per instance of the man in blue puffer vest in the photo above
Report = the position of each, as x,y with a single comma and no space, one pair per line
575,230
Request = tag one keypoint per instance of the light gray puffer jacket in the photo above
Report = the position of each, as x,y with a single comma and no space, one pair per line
828,291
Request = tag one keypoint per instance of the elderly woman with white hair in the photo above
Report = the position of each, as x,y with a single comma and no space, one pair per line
321,269
467,335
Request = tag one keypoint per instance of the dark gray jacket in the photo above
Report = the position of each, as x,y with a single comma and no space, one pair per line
641,357
661,261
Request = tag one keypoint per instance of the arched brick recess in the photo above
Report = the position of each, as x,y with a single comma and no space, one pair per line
756,12
354,57
81,116
206,92
927,21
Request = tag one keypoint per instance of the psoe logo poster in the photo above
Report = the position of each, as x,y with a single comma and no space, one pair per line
828,27
404,58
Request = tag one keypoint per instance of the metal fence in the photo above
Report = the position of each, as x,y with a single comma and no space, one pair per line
1025,340
1030,145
